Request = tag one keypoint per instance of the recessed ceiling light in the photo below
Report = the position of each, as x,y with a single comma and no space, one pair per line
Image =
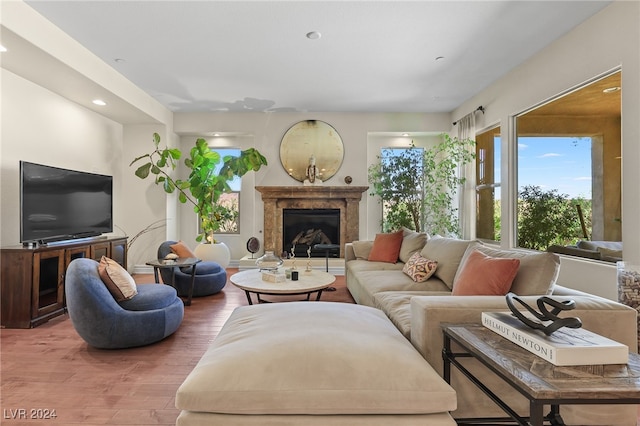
2,48
99,102
611,89
313,35
405,135
215,135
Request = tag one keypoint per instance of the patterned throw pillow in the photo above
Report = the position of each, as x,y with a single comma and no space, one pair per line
419,268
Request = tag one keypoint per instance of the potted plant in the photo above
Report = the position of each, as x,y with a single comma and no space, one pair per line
203,187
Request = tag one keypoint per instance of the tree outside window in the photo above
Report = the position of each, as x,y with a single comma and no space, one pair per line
228,209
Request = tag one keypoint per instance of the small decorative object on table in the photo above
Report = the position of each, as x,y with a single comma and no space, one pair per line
629,287
253,245
273,276
269,261
544,315
308,260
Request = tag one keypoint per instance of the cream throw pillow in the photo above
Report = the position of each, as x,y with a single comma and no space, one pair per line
412,242
362,249
448,253
120,284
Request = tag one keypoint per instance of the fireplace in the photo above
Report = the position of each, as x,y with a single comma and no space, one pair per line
345,200
304,228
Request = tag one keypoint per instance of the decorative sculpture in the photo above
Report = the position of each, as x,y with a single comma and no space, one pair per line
545,314
312,172
308,260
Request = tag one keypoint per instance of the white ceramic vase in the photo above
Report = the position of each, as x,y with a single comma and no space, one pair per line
217,252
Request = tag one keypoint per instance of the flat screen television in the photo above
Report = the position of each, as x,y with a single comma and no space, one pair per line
58,204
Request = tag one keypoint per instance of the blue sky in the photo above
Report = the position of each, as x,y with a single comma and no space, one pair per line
563,163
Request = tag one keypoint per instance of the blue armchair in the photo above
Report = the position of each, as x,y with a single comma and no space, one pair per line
210,277
153,314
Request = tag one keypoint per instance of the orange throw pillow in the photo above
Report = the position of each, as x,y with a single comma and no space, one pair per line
482,275
182,250
386,247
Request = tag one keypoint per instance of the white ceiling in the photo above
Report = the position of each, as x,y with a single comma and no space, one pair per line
373,56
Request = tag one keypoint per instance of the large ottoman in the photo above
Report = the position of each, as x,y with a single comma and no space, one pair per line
302,363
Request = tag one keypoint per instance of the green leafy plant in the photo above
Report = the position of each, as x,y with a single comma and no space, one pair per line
203,187
418,186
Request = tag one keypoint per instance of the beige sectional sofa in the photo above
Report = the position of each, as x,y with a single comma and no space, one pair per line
418,309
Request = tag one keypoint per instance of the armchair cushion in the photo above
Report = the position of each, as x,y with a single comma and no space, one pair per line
150,297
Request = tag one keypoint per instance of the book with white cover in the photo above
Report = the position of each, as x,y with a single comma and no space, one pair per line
564,347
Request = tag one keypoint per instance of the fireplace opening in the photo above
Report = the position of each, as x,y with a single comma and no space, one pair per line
304,228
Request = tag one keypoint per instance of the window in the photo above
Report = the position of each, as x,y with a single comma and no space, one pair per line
554,190
400,182
488,203
569,169
228,207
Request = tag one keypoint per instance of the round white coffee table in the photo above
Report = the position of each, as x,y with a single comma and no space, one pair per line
308,282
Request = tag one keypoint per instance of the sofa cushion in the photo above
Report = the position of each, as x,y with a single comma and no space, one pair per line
419,268
120,283
397,306
538,271
386,247
412,242
448,253
594,245
371,282
482,275
265,361
361,249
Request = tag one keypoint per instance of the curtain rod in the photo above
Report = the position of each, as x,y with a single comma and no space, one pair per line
480,108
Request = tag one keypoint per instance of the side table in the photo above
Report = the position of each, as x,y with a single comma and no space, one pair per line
619,384
182,262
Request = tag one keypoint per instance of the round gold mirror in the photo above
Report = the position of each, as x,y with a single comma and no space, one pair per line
311,143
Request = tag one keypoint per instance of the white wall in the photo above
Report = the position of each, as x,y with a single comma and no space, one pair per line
42,127
608,40
265,131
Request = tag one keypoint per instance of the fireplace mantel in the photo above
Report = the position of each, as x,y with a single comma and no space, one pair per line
278,198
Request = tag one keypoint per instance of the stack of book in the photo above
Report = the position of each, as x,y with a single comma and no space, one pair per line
564,347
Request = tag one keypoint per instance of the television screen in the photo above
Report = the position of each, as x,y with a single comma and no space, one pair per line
59,204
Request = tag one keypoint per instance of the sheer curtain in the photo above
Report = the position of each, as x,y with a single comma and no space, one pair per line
467,197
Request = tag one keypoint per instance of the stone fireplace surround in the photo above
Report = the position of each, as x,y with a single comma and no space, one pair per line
277,198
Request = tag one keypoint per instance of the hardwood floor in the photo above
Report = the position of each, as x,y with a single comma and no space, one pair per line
51,368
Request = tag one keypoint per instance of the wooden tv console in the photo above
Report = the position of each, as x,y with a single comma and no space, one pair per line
32,278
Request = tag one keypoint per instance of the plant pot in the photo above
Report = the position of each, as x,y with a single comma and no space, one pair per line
217,252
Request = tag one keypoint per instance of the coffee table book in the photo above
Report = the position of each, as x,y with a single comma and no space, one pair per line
564,347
